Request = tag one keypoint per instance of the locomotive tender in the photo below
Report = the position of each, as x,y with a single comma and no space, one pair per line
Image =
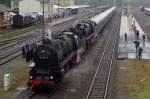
55,56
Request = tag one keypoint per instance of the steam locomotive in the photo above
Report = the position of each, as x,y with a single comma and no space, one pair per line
55,56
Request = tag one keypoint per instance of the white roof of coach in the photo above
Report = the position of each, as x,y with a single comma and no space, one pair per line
97,19
78,6
148,9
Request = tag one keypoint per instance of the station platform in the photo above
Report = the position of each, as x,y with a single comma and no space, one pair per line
126,49
61,20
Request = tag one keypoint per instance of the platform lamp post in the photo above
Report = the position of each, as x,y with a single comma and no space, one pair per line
114,2
43,21
142,3
91,3
58,7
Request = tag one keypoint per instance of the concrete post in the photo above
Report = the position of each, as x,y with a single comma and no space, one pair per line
6,82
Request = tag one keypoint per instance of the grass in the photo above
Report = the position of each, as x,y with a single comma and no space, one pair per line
10,31
17,31
19,76
143,79
134,80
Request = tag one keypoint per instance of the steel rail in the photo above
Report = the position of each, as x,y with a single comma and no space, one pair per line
18,50
99,65
110,69
103,54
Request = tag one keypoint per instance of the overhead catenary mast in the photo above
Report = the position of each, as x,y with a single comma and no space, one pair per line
114,2
43,22
58,7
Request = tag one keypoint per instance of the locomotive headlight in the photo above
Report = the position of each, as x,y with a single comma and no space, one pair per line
31,77
51,77
62,70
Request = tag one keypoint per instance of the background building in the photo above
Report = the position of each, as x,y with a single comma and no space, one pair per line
36,6
15,4
64,3
3,10
26,7
6,2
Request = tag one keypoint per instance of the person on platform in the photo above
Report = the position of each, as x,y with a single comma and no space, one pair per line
143,37
140,51
137,34
24,48
23,51
137,43
29,54
125,36
134,22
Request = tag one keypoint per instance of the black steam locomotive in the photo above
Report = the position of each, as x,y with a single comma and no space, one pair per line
55,56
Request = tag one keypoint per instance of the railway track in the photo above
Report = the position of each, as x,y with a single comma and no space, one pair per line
34,95
30,35
100,83
40,94
13,51
3,42
34,27
20,37
23,32
10,48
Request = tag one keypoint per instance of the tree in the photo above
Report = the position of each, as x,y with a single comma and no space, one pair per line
5,2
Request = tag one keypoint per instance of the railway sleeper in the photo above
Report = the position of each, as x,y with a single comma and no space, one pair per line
96,97
97,92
